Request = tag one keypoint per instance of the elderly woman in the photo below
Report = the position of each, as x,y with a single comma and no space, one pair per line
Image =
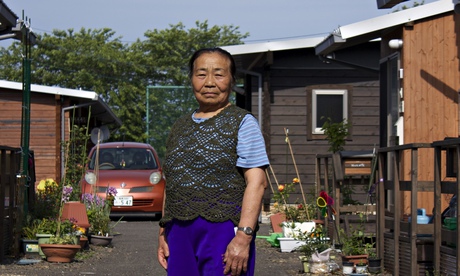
214,167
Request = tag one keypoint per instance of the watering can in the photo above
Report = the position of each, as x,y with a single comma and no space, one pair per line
422,218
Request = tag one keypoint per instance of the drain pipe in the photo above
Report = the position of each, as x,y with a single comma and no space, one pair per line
63,110
259,76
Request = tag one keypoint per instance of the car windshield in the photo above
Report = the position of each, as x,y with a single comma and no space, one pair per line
124,159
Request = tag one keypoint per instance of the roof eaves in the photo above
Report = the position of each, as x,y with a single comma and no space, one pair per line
330,44
396,18
91,96
7,16
52,90
272,46
371,29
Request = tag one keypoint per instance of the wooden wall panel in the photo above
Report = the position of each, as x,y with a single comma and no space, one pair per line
42,129
430,84
288,110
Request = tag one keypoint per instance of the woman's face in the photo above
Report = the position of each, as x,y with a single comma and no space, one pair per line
212,80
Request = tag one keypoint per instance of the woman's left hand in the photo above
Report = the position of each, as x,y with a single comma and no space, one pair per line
237,255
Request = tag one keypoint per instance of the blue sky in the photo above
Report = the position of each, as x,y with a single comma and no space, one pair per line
266,20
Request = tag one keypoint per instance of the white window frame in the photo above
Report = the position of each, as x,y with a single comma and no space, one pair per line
315,92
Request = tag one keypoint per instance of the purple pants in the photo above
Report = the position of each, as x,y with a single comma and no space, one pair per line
197,247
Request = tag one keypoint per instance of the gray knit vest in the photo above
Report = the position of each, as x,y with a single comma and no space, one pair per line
200,168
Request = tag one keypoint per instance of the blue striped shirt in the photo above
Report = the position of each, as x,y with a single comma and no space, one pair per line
250,149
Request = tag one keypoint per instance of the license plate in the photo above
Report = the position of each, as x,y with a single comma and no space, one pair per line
123,201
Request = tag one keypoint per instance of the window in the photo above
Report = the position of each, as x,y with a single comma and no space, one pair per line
328,103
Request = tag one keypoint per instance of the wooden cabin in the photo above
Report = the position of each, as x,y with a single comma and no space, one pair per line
289,89
52,108
419,130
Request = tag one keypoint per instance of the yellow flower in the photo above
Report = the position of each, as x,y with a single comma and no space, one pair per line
280,188
42,184
275,205
295,180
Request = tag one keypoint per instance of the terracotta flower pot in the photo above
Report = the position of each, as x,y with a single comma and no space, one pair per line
60,253
101,240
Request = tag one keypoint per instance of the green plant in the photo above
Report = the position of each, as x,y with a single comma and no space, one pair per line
354,242
98,211
336,133
315,241
296,212
30,231
67,233
46,226
76,157
47,199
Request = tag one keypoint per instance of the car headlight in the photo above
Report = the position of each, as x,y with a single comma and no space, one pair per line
155,178
90,178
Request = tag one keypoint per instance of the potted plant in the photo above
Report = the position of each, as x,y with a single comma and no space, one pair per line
374,263
298,217
316,249
63,244
29,238
361,266
354,245
98,211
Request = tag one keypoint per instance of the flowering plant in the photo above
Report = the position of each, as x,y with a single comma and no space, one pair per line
297,212
315,241
65,229
47,199
98,211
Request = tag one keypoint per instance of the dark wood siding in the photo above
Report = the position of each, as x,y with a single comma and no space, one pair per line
287,80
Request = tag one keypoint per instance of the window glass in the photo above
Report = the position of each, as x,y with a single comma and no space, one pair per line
328,103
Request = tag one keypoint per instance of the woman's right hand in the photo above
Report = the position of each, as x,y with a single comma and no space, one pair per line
163,251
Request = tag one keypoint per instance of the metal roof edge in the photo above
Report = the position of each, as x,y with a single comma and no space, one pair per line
91,95
109,110
272,46
396,18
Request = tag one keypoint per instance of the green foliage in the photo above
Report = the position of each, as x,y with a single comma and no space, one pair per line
39,226
315,241
336,133
67,235
75,159
97,60
47,200
98,211
354,242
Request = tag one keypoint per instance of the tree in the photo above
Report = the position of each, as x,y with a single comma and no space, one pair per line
97,60
166,55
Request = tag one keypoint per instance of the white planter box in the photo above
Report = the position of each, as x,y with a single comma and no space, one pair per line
289,244
291,232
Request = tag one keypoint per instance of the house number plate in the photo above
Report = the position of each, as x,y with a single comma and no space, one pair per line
123,201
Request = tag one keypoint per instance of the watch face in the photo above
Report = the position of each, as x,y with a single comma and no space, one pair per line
248,231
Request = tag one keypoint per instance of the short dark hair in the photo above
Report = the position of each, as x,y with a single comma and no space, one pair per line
218,50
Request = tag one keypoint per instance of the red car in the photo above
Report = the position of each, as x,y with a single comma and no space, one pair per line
134,170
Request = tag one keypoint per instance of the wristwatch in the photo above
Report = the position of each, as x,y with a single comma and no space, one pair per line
247,230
